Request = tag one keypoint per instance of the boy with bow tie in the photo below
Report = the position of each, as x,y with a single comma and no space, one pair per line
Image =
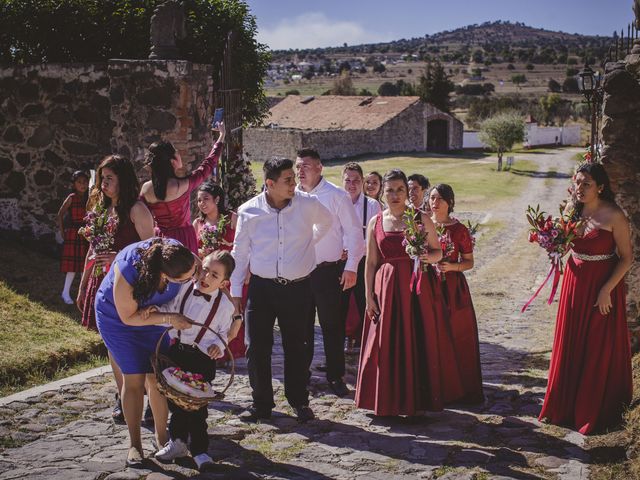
196,350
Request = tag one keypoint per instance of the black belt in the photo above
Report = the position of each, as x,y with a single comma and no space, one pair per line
328,264
285,281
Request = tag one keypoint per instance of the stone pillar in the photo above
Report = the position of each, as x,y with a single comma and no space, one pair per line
154,100
621,156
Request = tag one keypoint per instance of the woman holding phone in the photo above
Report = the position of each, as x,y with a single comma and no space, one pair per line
169,197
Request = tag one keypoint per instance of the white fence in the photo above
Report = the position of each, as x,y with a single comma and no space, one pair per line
534,135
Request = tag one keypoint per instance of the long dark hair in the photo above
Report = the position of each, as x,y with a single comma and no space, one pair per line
395,174
159,257
128,186
446,192
599,175
159,158
214,190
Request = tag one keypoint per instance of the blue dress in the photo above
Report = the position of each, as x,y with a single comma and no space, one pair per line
130,346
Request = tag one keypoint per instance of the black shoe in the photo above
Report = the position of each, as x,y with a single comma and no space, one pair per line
304,414
253,415
147,419
339,388
117,414
321,368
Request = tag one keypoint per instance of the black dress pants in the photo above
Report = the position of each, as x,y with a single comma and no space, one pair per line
268,300
361,301
327,301
183,423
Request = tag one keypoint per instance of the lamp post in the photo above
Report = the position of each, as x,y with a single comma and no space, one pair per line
589,86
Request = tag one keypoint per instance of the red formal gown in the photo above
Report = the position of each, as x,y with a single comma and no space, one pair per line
590,373
173,218
125,235
408,362
237,346
462,316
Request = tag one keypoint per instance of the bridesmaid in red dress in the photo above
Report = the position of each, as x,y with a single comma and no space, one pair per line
457,297
169,197
116,189
590,373
406,356
211,205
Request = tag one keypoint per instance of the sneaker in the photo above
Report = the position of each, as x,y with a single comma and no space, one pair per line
304,413
172,450
67,299
147,418
252,415
134,458
339,388
117,414
203,461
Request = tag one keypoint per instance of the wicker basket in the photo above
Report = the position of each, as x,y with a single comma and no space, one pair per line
185,401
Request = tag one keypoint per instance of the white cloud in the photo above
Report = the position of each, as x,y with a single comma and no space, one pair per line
311,30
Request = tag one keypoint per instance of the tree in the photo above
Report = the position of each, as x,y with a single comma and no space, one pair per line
434,86
518,79
550,104
554,86
388,89
570,85
66,31
530,66
511,67
343,85
378,67
501,132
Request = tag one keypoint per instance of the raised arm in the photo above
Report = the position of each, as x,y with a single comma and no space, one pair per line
205,169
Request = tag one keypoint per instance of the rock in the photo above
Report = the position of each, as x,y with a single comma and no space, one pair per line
6,165
79,148
159,120
550,462
29,91
126,475
160,96
32,110
59,116
43,177
86,115
42,136
52,158
13,135
24,159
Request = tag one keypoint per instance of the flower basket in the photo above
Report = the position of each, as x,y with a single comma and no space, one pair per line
160,362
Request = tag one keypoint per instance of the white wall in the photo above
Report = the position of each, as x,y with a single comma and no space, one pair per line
534,135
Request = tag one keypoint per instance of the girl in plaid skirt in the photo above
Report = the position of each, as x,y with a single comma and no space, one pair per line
70,219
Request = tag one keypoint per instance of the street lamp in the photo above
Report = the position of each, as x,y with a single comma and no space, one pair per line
589,86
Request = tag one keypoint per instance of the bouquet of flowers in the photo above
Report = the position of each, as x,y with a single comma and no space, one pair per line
473,231
415,243
211,235
99,230
447,246
555,235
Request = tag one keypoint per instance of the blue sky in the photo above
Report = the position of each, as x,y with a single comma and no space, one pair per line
321,23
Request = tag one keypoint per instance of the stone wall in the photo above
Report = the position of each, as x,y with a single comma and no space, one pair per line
403,133
58,118
621,154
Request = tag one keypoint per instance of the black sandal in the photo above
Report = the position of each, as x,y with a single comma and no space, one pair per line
117,414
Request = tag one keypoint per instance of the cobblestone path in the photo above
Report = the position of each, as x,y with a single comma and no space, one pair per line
67,433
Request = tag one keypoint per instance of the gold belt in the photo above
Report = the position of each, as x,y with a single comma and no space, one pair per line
592,258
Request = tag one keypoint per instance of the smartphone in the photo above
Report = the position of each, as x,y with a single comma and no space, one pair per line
217,118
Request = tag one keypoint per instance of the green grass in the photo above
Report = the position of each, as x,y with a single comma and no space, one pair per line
41,338
474,178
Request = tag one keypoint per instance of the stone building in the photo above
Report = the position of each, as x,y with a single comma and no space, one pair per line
58,118
342,126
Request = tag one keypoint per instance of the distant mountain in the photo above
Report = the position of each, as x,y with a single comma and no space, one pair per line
500,38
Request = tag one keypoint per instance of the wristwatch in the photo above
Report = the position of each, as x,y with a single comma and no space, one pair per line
237,316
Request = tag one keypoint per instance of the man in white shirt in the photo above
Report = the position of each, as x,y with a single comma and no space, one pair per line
331,276
366,209
275,240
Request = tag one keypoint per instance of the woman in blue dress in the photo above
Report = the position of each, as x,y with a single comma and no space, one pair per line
144,273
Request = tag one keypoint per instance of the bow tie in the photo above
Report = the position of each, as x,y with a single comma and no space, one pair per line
198,293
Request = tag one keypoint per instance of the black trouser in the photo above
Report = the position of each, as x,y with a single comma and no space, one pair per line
327,300
183,423
361,300
268,300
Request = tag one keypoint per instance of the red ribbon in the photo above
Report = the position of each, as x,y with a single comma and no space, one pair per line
555,270
416,276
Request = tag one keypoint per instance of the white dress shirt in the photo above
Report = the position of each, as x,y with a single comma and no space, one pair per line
373,208
273,243
345,232
197,309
